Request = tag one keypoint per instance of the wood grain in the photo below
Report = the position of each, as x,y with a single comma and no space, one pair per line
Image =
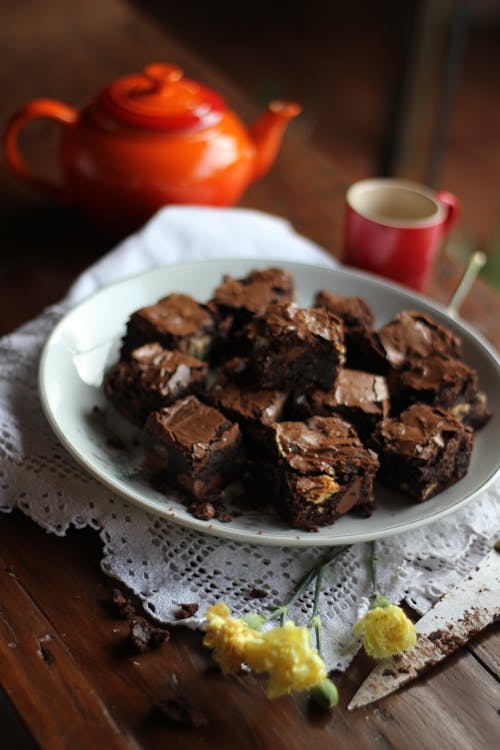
77,615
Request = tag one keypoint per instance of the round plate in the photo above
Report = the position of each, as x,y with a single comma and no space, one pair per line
86,342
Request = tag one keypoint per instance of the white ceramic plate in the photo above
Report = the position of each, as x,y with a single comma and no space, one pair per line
86,342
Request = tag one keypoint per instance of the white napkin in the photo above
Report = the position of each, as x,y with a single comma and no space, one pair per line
163,563
179,234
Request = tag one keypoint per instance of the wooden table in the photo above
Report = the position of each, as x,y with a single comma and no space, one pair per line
66,681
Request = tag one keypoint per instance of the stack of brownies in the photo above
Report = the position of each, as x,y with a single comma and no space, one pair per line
309,403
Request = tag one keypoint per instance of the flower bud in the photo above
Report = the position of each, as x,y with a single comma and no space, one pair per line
325,694
253,620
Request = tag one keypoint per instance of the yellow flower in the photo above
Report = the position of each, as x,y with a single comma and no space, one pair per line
385,631
229,637
287,655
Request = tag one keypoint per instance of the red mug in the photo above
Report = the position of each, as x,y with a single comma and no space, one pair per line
394,228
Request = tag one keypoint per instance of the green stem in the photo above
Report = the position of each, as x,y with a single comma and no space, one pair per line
315,619
304,583
373,564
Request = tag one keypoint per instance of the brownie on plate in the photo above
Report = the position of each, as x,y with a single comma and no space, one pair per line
422,451
361,398
152,378
413,335
176,322
237,396
297,347
322,471
357,322
443,382
193,446
237,301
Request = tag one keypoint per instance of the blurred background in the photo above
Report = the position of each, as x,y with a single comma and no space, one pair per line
409,88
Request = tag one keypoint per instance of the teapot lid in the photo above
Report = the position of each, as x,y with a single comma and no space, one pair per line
160,98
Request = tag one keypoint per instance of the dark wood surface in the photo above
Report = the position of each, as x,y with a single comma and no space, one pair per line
67,680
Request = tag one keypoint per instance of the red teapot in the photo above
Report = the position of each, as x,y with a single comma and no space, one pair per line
152,139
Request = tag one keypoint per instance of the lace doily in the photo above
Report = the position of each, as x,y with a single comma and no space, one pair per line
166,565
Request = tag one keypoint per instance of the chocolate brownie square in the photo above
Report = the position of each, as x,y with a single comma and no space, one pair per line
194,447
422,451
151,379
357,322
443,382
354,312
361,398
250,295
297,347
413,335
236,395
322,471
237,301
176,322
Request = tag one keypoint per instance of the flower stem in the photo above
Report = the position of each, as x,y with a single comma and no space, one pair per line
374,564
314,618
305,582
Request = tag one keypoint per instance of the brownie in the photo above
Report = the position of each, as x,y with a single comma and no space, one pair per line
354,312
194,447
361,398
422,451
237,396
357,323
297,347
151,379
175,322
322,471
443,382
237,301
413,335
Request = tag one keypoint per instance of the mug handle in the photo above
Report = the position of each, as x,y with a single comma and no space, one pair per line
451,203
48,109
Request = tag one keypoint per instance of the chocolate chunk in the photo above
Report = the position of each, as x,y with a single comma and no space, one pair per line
143,636
123,605
186,610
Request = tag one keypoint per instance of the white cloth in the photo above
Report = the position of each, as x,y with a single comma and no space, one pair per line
164,563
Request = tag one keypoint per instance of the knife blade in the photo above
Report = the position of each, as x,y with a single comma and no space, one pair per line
460,614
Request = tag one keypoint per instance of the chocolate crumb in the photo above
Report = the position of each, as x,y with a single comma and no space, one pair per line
186,610
178,711
436,635
257,593
122,604
47,655
203,511
143,636
402,670
226,518
388,673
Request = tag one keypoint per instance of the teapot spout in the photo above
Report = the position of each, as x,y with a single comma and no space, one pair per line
267,133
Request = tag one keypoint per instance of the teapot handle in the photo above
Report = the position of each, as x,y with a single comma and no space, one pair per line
46,108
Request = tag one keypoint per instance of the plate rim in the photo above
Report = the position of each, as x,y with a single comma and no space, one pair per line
224,531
